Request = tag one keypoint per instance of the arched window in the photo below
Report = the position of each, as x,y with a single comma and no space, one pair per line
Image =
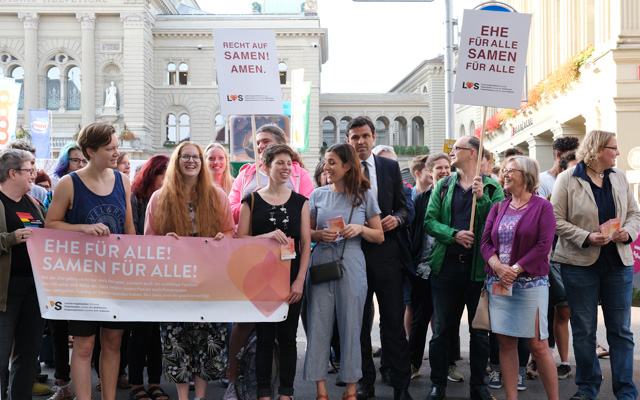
381,131
74,88
184,129
172,127
53,88
183,73
178,129
328,133
282,69
220,134
171,74
18,74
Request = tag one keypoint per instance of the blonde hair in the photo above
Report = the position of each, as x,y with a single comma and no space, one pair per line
592,143
173,214
530,170
227,179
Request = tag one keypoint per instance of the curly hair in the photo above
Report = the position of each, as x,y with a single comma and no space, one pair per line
566,143
593,142
172,214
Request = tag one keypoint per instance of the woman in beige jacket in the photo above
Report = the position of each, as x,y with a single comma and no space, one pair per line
597,218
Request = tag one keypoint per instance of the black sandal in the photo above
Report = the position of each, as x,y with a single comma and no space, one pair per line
139,394
156,393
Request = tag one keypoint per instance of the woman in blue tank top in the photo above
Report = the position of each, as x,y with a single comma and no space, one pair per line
94,200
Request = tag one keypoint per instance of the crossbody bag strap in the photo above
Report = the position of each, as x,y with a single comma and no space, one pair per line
251,216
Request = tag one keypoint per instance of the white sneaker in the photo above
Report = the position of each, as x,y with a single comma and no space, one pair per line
454,375
231,393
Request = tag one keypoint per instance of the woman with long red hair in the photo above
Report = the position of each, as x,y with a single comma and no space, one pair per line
190,205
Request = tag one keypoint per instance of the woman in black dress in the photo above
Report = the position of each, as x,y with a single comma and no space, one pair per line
279,213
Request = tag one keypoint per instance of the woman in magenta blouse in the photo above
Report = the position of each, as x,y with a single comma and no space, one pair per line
516,243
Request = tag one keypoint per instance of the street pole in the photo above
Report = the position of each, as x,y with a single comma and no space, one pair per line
448,71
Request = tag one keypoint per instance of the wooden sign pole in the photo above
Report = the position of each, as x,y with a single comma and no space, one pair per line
480,150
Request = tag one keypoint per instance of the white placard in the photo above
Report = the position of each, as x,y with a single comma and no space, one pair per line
492,58
247,69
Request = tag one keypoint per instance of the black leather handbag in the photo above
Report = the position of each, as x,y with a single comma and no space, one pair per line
332,270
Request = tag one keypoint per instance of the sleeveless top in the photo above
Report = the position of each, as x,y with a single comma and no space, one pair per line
286,217
90,208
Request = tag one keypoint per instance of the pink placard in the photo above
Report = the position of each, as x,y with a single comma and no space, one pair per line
158,278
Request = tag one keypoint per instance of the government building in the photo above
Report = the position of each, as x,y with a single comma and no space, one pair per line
150,64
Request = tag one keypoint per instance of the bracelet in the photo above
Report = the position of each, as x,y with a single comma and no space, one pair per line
495,263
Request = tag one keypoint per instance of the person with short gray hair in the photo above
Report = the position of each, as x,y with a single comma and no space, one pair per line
20,320
36,191
12,159
381,148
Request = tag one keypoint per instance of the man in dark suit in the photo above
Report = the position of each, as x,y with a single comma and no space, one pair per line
384,263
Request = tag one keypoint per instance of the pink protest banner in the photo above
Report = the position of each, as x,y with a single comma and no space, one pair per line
158,278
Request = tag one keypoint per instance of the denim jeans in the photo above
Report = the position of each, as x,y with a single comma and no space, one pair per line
21,326
453,279
613,286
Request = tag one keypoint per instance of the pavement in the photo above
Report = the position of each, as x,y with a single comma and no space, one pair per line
420,386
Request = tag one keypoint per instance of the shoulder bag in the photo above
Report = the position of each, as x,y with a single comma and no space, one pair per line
332,270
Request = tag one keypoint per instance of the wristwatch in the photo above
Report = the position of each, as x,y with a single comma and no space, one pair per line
515,268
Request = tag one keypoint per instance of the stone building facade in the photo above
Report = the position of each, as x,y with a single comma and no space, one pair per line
606,95
159,54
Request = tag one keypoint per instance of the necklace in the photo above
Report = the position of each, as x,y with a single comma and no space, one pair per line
519,207
600,174
272,218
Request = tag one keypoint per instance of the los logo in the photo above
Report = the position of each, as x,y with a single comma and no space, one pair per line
234,97
469,85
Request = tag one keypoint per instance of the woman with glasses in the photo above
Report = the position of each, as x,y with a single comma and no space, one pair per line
20,321
188,204
597,220
43,180
78,207
516,243
70,159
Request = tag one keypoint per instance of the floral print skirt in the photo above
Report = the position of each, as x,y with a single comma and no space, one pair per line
192,349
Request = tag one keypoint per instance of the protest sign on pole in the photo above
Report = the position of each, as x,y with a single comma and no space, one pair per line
9,98
492,58
158,278
247,70
41,132
491,64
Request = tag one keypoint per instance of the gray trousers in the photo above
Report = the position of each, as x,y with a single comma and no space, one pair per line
342,300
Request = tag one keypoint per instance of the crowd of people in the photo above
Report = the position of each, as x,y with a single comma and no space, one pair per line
530,241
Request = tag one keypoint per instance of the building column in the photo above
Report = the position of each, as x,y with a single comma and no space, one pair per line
541,150
133,97
88,22
30,21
